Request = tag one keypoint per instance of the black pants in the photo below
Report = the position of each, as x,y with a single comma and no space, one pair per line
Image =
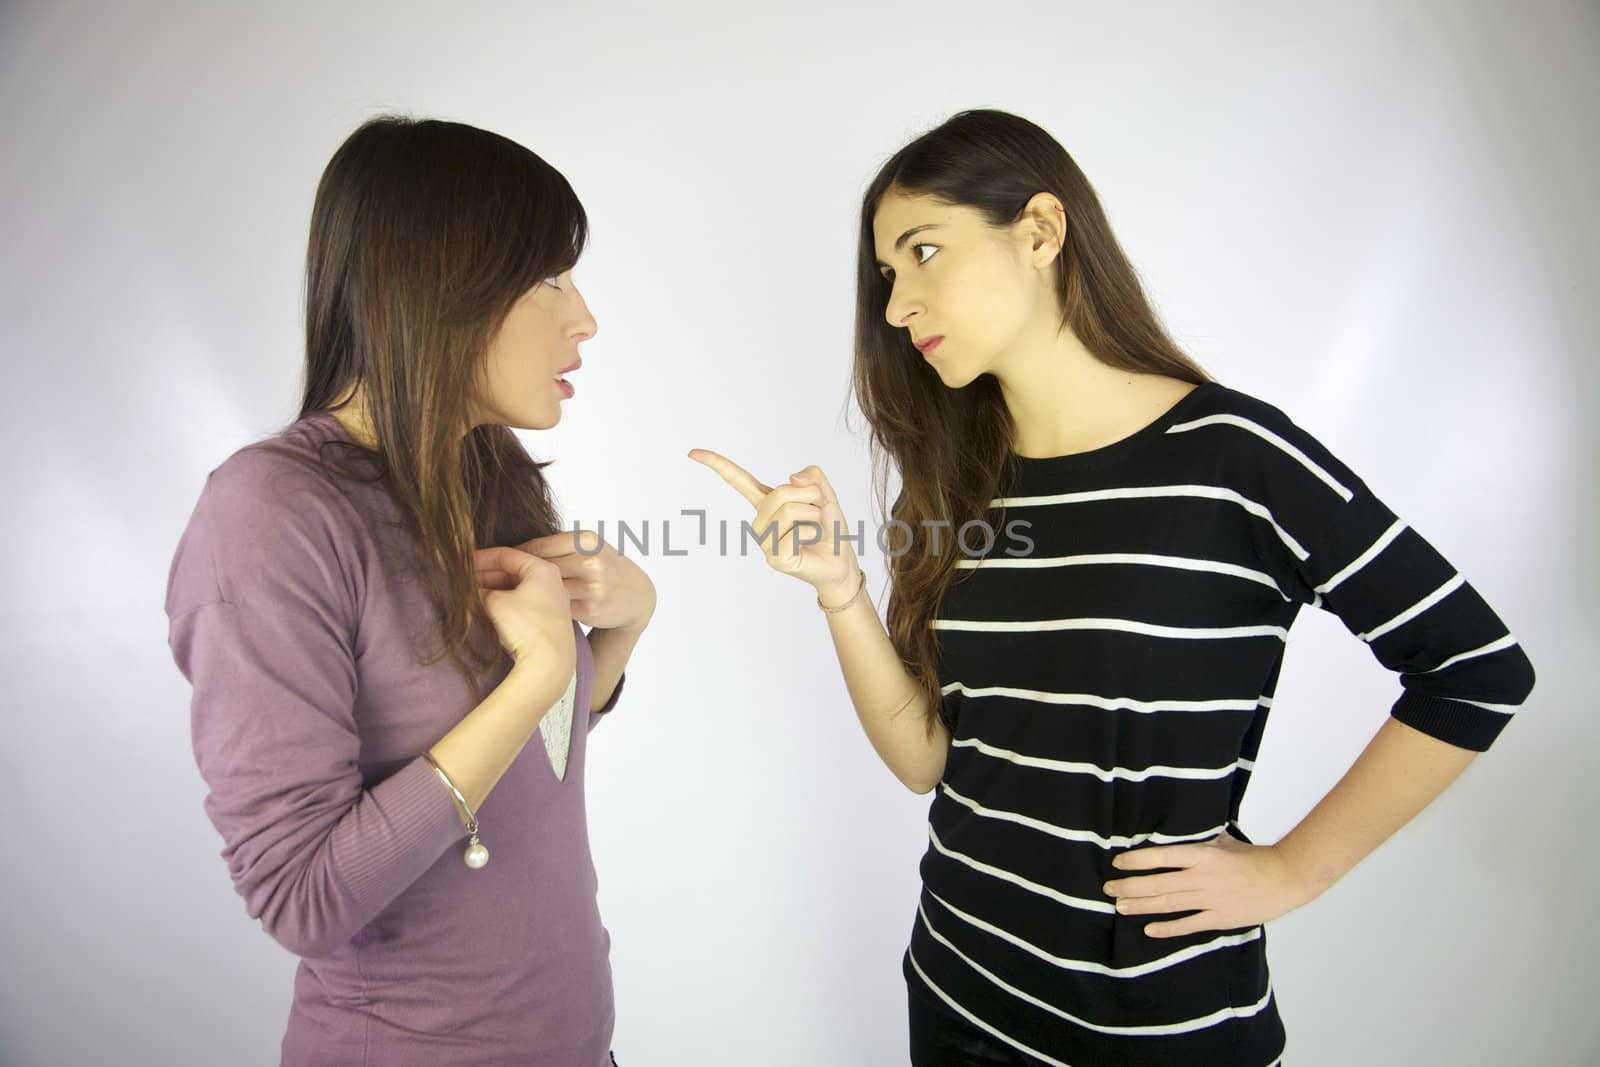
940,1038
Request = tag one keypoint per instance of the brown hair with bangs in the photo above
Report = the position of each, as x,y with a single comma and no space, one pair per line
424,234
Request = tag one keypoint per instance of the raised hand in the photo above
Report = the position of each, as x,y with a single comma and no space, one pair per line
809,524
607,590
528,605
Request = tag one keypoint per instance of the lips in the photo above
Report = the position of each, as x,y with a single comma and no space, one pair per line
569,369
927,343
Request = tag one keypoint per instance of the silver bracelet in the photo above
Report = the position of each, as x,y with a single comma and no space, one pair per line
476,855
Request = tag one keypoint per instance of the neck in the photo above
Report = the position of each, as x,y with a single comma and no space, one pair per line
1063,400
353,417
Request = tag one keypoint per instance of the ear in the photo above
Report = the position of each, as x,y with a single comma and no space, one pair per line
1044,221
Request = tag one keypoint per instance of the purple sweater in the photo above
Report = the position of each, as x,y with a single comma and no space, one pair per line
291,617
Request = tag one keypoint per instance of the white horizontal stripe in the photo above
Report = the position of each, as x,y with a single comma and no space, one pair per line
1366,557
1126,774
1196,633
1212,492
1503,709
1417,609
1094,559
1184,1026
1081,903
1267,435
975,1021
1088,966
1482,650
1087,837
1094,700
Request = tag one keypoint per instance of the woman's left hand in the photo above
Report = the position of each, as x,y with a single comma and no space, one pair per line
607,589
1228,883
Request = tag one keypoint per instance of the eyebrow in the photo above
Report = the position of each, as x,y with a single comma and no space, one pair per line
900,243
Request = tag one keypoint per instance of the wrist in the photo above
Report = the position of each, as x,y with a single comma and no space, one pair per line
1308,882
834,593
536,680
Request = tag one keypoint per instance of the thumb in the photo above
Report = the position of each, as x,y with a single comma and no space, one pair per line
502,564
829,509
813,475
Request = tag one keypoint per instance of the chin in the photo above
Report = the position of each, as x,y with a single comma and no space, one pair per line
958,379
534,422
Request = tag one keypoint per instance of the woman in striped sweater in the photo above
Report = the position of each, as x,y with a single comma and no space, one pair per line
1095,558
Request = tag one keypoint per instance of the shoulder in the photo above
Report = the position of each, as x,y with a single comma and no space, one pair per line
1233,409
269,509
1261,444
279,482
289,461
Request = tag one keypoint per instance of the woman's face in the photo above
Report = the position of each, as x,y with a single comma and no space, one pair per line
534,348
957,278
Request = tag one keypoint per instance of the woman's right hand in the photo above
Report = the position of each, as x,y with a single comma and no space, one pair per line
828,562
528,604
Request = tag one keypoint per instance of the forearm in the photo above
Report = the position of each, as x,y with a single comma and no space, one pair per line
887,700
611,650
479,749
1398,774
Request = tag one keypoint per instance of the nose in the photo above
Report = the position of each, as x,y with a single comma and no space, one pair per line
583,324
902,307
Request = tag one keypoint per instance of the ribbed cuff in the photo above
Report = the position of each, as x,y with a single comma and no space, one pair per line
1452,721
414,819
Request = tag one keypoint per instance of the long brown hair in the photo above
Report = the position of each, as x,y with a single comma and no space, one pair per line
424,233
952,446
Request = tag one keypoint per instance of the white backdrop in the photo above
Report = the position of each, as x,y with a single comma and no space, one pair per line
1379,217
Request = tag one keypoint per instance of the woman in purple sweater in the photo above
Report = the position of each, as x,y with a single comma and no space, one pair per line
359,782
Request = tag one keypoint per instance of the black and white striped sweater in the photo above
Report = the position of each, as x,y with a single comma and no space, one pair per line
1108,689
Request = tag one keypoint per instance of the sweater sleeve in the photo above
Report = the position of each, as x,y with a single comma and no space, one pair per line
1328,541
611,702
261,623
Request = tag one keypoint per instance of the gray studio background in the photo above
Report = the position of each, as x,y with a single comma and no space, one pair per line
1378,216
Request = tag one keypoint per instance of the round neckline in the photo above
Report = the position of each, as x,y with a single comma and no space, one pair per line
331,423
1120,447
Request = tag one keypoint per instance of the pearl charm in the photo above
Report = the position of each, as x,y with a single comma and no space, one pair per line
475,855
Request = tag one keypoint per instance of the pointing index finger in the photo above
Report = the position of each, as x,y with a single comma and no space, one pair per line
746,483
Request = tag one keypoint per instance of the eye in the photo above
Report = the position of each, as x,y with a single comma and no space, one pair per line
551,281
888,274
